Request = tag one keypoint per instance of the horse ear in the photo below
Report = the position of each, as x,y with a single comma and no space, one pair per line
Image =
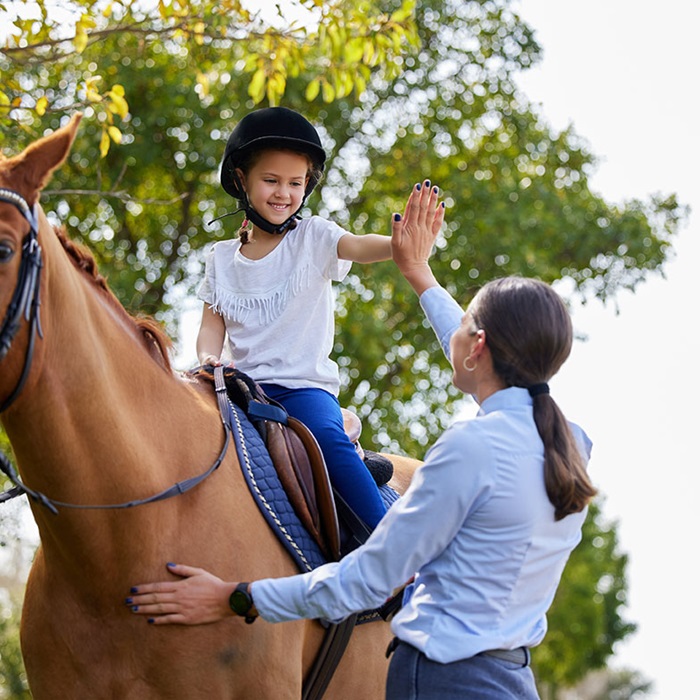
36,164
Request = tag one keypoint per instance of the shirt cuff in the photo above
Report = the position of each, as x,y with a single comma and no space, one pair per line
443,313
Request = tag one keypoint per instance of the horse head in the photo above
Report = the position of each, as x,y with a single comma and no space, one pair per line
21,180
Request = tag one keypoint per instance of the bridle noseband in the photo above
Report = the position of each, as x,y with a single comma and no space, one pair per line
25,300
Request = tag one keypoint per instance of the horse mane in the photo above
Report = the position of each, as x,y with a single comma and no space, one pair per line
154,338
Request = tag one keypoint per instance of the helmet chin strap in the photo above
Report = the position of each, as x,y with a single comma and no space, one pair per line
260,222
268,226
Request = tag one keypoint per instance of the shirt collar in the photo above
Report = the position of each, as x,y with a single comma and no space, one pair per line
513,396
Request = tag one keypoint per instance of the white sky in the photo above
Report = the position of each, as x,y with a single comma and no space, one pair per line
624,72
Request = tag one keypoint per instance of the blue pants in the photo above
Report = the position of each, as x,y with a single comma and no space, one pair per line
320,412
413,676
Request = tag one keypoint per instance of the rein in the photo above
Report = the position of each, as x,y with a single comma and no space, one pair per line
25,300
175,490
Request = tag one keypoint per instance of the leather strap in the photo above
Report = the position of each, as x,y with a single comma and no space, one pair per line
175,490
327,660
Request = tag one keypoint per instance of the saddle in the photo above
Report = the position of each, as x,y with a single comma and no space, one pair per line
301,468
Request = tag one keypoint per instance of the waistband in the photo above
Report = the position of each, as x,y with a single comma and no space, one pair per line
520,656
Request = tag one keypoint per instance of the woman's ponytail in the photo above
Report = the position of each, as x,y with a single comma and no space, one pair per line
569,488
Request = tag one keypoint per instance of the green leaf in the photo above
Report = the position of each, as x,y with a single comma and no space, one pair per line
312,90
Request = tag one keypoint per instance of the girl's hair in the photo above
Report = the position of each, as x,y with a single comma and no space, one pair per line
252,155
529,334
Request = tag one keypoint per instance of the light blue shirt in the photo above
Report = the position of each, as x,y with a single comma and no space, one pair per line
475,527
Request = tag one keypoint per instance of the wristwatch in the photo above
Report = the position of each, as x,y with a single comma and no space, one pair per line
241,602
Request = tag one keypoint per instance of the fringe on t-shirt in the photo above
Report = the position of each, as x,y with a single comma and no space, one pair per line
244,309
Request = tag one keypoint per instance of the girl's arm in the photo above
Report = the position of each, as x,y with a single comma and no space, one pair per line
210,339
368,248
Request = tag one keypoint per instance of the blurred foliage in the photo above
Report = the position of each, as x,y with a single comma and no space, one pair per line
436,98
604,684
398,97
13,680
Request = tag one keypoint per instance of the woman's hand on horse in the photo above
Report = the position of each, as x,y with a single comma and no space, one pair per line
197,598
413,235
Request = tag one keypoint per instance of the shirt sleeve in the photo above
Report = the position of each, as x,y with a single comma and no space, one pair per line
205,292
409,536
443,313
331,265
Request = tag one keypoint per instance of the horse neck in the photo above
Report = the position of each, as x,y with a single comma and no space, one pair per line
100,421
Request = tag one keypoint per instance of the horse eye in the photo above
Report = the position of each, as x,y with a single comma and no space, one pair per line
6,252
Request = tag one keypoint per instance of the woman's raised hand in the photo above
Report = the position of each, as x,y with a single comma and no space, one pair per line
413,235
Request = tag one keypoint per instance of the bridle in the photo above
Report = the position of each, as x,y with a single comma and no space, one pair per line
25,300
25,303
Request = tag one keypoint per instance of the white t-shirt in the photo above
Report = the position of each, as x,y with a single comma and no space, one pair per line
279,311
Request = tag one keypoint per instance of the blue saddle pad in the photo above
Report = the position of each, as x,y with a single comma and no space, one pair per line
270,497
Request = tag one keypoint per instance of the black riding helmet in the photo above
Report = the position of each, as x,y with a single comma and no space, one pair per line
272,127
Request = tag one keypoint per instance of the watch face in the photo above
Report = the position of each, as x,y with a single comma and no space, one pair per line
240,601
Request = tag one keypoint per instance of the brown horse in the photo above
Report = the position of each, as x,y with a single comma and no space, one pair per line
99,417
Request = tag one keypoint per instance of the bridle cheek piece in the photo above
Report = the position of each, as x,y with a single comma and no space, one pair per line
25,302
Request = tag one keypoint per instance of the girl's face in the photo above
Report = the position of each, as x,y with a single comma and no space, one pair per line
276,183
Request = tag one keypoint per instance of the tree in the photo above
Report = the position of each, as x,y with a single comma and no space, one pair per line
13,681
518,202
167,81
432,95
606,684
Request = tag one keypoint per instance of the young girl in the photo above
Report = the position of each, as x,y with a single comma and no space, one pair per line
269,291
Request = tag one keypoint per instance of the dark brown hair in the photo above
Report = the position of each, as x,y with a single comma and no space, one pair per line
529,334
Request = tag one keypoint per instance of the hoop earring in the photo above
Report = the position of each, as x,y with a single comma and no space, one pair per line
464,364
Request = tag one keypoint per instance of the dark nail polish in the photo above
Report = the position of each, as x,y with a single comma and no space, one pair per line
170,564
134,608
435,189
150,620
128,601
418,186
397,217
134,590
